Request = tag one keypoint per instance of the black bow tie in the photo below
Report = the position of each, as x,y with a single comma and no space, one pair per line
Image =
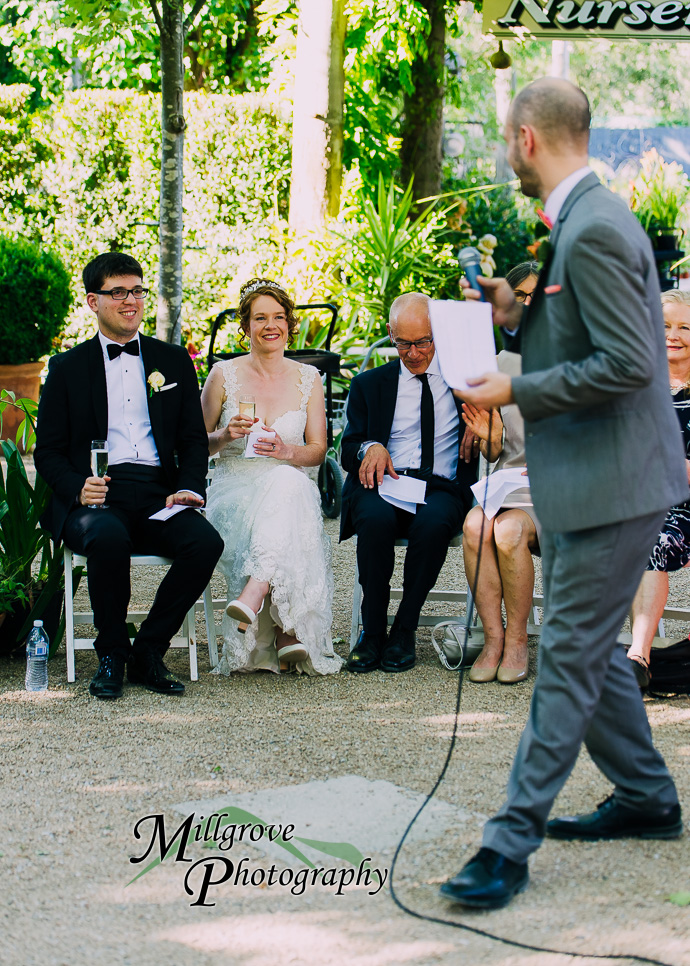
131,348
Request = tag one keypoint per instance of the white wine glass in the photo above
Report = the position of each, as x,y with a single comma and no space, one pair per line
248,408
99,466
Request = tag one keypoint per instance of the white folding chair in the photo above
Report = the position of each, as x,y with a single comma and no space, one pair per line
187,637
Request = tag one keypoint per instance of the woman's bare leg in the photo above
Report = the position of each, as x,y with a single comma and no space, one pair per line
647,609
254,593
515,535
489,590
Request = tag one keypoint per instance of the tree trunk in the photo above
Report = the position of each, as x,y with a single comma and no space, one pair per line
422,136
172,33
317,131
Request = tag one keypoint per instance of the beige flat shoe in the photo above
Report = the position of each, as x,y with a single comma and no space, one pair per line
292,653
482,675
511,675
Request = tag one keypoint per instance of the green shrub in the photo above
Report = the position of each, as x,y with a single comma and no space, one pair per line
82,177
34,301
389,247
24,151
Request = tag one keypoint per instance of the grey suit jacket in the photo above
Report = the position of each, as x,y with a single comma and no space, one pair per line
602,440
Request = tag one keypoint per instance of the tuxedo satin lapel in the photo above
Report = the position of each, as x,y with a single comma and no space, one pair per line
149,357
99,392
388,397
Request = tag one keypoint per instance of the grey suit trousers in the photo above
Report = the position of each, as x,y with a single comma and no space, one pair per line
585,689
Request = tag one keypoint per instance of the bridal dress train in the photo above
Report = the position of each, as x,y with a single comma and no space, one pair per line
269,515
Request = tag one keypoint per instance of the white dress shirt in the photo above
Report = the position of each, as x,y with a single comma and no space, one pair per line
130,438
405,443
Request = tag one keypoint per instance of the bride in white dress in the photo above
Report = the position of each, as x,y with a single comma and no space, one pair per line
277,557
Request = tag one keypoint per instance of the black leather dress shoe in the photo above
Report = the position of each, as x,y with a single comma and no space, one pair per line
399,654
107,681
153,674
366,654
488,881
612,820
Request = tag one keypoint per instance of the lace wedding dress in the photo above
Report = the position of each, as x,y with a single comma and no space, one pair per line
269,515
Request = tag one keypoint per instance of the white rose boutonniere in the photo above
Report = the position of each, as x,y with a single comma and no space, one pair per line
156,381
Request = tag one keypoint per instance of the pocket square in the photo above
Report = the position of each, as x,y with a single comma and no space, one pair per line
171,385
552,289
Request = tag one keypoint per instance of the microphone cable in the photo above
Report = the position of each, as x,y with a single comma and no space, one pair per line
484,933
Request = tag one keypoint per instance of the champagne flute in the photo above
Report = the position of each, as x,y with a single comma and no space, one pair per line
99,466
248,408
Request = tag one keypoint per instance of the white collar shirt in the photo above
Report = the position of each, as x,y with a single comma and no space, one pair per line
130,438
405,443
558,196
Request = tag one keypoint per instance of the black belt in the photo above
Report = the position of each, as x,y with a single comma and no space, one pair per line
421,475
416,473
136,473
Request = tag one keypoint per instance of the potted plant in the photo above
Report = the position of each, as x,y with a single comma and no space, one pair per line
659,194
12,590
31,578
34,301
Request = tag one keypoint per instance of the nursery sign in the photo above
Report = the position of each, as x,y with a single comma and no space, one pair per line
580,19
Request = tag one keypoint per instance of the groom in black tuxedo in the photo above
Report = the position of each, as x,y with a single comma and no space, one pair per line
403,419
142,396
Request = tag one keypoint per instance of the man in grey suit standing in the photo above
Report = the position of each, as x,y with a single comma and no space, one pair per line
605,463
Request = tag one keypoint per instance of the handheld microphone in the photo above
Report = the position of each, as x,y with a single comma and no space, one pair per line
469,260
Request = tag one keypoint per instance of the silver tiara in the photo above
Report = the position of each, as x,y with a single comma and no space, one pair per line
260,283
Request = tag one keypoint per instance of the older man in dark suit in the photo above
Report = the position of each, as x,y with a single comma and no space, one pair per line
605,463
142,396
402,418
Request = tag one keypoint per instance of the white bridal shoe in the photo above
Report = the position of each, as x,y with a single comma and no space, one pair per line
239,611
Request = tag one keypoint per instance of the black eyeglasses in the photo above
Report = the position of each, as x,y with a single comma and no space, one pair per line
419,343
521,296
139,292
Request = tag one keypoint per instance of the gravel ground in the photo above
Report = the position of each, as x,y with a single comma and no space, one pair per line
78,774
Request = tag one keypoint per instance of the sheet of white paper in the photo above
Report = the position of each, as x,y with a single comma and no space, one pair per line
255,436
464,340
405,488
169,511
405,492
496,487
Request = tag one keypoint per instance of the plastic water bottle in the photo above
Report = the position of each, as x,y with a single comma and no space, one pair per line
37,659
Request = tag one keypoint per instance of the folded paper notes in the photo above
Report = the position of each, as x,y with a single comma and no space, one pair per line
490,493
405,492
